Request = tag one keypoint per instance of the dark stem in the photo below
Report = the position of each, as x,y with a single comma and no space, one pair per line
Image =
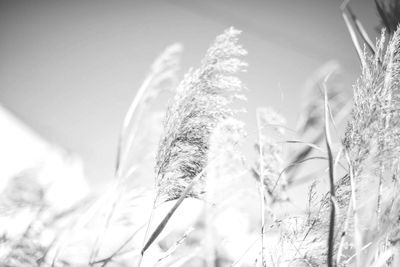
331,182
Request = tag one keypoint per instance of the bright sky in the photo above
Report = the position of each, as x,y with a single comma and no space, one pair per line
69,69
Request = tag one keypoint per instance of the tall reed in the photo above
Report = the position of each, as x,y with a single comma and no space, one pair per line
201,101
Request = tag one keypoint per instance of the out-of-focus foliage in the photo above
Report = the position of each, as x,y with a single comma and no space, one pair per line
389,12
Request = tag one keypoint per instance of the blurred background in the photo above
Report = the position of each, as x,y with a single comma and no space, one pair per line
69,69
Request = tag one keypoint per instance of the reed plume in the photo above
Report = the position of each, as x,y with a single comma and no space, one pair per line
372,141
371,145
373,131
201,101
133,148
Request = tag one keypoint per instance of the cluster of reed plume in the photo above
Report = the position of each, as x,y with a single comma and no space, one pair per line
352,216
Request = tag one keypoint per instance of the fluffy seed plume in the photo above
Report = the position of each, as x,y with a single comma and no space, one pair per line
373,132
372,138
201,101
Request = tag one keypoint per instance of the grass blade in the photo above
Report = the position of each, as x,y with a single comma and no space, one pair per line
353,37
331,180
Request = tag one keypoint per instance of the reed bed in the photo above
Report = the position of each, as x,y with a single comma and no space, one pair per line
210,205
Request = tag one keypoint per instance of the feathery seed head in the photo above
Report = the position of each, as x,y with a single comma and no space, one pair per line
376,108
201,101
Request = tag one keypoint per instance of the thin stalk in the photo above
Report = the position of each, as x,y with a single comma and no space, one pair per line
353,37
357,237
168,216
360,28
100,239
117,252
127,119
331,182
175,246
244,253
148,227
122,154
343,234
380,189
262,189
164,67
355,255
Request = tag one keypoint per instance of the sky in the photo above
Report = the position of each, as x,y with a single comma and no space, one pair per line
69,69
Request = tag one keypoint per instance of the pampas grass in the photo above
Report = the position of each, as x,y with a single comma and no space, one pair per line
371,136
352,212
201,101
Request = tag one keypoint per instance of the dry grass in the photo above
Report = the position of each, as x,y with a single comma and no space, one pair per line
201,209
